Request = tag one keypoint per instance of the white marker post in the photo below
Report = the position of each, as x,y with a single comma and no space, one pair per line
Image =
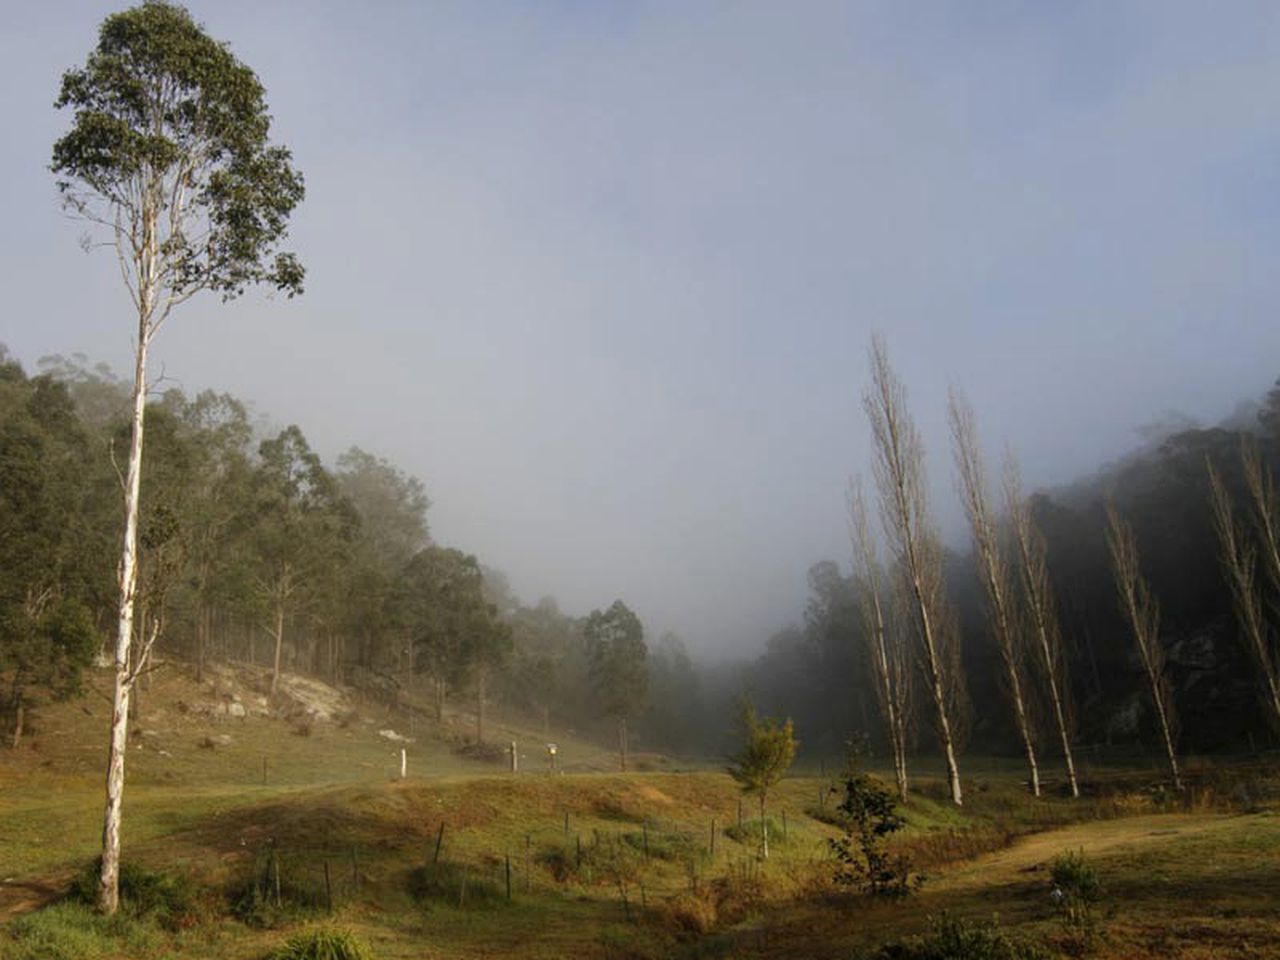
515,758
404,764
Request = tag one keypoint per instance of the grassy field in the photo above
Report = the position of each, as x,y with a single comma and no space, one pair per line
464,859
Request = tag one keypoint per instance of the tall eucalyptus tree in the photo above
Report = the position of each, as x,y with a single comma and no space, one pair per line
168,155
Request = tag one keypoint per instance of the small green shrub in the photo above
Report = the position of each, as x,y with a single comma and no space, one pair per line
871,815
168,899
955,939
1075,893
322,943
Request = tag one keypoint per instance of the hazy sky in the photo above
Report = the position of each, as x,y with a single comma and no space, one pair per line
604,274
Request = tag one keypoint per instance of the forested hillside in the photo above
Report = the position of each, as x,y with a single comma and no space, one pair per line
818,671
256,550
253,549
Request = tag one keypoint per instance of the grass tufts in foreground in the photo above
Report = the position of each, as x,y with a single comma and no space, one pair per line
953,938
323,943
74,931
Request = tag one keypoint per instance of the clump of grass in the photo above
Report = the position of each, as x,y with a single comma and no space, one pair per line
168,899
936,848
453,884
953,938
75,931
750,832
322,943
665,846
485,752
276,892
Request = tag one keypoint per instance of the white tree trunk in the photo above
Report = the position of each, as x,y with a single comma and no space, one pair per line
764,831
109,877
275,667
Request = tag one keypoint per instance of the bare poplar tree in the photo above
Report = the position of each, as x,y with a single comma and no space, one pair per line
1240,561
1266,515
993,570
1033,572
1143,613
900,479
885,645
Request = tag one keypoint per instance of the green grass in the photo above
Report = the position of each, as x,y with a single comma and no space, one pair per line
602,864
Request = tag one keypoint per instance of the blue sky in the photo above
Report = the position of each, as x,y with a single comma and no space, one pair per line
604,275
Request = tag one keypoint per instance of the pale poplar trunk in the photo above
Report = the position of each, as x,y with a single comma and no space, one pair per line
992,569
1240,561
19,719
622,743
1167,733
764,830
1143,613
202,639
890,681
279,637
938,689
1034,577
1048,661
901,482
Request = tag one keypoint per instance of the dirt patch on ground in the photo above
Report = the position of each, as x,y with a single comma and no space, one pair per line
651,794
31,893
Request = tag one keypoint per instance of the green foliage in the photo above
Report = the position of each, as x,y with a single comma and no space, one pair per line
768,749
168,899
953,938
675,715
50,571
170,135
1075,893
870,812
322,943
617,652
454,630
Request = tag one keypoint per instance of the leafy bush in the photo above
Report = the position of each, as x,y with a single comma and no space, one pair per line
322,943
1075,893
955,939
170,900
871,815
